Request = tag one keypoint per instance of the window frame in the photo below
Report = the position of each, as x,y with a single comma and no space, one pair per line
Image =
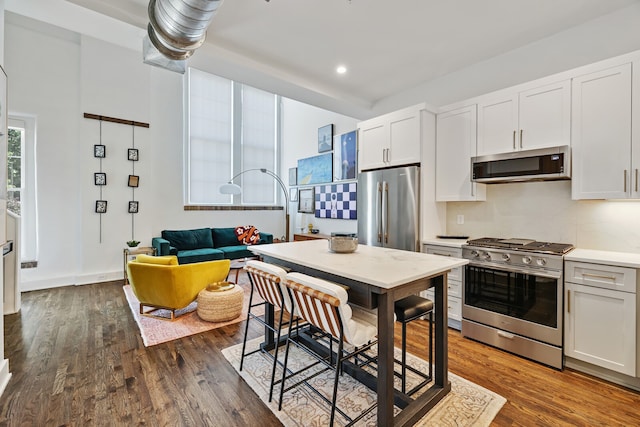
237,163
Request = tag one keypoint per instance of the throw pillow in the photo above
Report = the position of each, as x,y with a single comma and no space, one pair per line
248,234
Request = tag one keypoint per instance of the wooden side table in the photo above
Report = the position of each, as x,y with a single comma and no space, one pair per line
129,254
309,236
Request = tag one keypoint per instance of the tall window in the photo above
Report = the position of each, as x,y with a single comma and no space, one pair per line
21,182
232,128
14,168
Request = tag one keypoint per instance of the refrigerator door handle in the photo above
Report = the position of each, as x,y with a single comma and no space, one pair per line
385,212
379,211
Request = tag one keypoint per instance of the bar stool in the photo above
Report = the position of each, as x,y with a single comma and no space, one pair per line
325,305
407,310
268,280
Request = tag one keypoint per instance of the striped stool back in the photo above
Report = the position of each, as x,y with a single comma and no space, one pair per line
268,281
317,308
327,305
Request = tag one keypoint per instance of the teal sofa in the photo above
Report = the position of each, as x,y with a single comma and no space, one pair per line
204,244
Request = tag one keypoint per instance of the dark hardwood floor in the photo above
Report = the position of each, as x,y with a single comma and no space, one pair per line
77,359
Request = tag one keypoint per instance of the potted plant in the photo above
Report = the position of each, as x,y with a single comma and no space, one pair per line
133,244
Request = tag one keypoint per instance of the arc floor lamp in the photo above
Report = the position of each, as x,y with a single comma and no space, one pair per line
231,188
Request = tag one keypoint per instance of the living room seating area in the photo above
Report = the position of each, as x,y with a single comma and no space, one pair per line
159,282
209,244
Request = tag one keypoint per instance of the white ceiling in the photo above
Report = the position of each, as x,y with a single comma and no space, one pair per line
387,46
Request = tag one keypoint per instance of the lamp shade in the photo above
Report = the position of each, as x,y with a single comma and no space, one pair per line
229,188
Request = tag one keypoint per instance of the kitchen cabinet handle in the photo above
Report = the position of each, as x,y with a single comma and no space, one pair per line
514,139
599,276
625,180
441,254
521,131
636,180
568,301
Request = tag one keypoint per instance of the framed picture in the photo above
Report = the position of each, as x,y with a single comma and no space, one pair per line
325,138
293,176
132,154
305,200
293,194
99,151
100,178
337,201
133,207
345,156
134,180
101,206
315,170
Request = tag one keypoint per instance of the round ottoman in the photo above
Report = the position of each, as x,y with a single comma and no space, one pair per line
220,305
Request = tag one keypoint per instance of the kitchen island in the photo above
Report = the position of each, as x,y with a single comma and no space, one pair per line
377,277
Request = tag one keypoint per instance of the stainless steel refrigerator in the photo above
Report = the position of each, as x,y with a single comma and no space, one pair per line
389,208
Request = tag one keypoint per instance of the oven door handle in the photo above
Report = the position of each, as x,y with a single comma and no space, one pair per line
493,266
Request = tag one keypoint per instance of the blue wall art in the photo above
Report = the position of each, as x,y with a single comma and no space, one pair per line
345,156
336,201
316,169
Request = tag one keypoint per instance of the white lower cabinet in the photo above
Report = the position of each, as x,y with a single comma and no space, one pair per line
455,280
600,315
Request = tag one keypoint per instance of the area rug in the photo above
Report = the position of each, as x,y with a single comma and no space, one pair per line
467,404
157,331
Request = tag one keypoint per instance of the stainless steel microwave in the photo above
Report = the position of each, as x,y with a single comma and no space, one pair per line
527,165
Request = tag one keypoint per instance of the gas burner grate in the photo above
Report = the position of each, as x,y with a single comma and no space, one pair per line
526,245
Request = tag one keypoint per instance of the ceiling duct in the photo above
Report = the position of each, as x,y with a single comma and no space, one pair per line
176,29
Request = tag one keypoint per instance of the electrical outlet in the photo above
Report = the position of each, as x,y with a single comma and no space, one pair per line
460,219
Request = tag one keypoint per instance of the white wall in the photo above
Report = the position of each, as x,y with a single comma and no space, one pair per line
63,76
544,211
300,123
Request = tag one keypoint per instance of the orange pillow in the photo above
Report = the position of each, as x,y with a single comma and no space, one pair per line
247,234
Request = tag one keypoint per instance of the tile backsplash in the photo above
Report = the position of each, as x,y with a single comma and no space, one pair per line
544,211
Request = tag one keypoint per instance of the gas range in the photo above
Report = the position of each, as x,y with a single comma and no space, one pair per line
525,253
512,296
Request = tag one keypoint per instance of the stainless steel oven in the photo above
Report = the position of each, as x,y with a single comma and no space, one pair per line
512,296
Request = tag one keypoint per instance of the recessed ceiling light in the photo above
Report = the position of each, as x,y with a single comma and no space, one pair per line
341,69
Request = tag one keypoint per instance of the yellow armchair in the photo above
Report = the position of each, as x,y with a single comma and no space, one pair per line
159,282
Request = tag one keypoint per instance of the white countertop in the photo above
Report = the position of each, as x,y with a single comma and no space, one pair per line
377,266
620,259
452,243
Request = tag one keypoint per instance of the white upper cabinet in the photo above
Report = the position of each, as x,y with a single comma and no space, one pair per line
393,139
525,120
455,145
601,129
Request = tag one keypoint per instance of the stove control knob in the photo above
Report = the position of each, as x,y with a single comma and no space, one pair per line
506,257
541,262
526,259
486,256
475,253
